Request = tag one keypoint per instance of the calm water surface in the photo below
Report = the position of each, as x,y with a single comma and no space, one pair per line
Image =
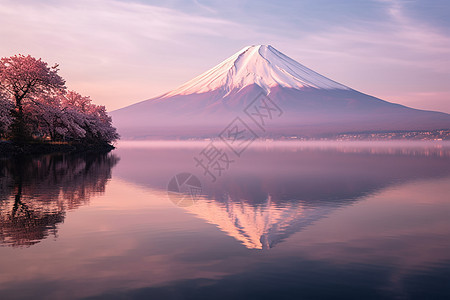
282,221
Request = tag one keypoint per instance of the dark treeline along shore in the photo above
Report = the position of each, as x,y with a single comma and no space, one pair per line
9,149
38,115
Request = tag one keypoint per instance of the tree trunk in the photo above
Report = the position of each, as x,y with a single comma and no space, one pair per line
19,130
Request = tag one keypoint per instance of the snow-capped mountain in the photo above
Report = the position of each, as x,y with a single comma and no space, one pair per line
308,103
261,65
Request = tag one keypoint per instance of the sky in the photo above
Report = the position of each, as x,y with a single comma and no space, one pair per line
124,51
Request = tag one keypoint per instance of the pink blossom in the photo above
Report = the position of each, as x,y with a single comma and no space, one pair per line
43,107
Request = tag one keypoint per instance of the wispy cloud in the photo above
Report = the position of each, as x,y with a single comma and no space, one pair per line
401,59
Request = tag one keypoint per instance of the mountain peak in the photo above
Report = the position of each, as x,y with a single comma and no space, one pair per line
258,47
262,65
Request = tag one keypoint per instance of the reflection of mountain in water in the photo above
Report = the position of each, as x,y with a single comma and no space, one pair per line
36,192
258,227
272,193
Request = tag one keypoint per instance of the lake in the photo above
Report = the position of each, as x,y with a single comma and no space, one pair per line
197,220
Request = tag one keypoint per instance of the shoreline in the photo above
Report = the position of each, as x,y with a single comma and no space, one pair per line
11,149
217,142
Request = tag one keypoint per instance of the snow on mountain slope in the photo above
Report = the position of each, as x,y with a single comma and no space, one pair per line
262,65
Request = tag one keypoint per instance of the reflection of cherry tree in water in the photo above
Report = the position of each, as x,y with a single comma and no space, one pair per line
36,192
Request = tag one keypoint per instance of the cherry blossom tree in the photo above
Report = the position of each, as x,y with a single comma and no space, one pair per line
39,106
43,116
23,78
69,117
92,119
6,118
